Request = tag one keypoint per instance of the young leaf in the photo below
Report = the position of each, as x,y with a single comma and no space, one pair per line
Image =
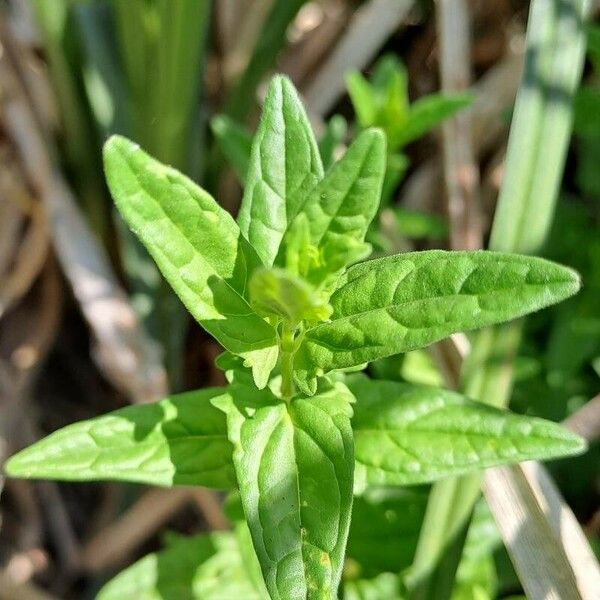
401,303
328,233
235,143
181,440
207,567
284,165
406,434
425,114
197,246
362,97
277,293
295,466
346,200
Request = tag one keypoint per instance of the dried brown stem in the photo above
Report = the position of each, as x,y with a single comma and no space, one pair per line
460,170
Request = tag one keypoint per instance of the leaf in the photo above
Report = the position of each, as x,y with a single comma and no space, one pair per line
197,246
295,466
284,165
181,440
277,293
362,98
235,143
401,303
419,225
386,586
341,207
206,567
406,434
425,114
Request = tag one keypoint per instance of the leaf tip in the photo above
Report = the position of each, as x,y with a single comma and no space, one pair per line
18,465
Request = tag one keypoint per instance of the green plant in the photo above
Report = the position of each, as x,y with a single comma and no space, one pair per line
295,431
382,101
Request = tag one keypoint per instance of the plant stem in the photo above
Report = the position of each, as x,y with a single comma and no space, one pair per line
287,362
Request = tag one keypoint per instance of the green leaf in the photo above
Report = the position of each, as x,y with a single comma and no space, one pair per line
425,114
181,440
343,204
284,165
295,466
277,293
207,567
406,434
235,142
362,98
401,303
386,586
197,246
419,225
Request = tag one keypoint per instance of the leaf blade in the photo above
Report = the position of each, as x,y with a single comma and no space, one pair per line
346,200
406,434
284,455
181,440
401,303
284,165
197,246
205,567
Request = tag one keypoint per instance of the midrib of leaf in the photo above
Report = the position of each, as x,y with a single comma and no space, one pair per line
401,305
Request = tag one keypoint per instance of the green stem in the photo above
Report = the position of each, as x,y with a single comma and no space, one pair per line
288,389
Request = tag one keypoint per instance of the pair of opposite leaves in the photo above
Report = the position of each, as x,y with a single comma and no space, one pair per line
379,308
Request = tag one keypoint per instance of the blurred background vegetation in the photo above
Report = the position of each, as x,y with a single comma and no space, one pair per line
88,325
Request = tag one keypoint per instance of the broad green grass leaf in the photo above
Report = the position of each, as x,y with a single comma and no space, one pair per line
181,440
341,207
197,246
406,434
207,567
425,114
284,165
401,303
235,142
294,464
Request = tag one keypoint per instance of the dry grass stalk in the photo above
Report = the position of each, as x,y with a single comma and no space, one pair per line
460,170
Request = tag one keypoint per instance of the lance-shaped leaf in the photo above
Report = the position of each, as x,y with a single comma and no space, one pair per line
425,114
406,434
197,246
284,165
401,303
294,464
181,440
207,567
344,203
